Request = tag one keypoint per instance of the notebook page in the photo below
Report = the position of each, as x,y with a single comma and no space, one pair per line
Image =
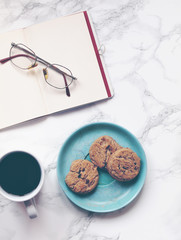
67,41
20,97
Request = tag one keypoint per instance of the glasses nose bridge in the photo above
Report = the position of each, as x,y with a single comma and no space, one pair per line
45,73
33,66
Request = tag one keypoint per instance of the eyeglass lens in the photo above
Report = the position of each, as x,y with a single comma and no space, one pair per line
55,79
23,59
55,75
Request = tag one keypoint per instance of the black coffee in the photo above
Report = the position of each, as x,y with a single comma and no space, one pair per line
20,173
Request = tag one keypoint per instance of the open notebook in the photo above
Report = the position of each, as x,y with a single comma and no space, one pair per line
69,41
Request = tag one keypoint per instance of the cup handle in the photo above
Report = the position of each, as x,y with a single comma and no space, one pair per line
31,208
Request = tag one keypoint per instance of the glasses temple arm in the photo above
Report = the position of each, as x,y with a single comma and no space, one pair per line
41,60
4,60
67,88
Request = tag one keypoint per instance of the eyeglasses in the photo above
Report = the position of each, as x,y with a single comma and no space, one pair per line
56,75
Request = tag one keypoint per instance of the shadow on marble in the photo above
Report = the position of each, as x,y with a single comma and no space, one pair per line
123,210
41,119
28,123
112,214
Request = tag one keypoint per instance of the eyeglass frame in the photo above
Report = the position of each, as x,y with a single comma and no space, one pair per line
42,61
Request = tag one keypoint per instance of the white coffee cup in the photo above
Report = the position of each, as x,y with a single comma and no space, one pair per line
27,198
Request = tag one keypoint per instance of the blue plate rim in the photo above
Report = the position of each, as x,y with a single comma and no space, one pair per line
101,210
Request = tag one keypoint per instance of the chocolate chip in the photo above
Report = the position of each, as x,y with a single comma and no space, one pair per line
107,148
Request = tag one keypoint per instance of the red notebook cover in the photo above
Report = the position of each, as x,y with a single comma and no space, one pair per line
97,54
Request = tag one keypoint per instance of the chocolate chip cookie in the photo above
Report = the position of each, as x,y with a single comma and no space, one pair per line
101,149
83,176
124,165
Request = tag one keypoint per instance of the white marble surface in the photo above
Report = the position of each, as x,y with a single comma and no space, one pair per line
142,39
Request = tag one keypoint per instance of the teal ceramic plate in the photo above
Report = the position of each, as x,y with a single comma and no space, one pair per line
109,195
